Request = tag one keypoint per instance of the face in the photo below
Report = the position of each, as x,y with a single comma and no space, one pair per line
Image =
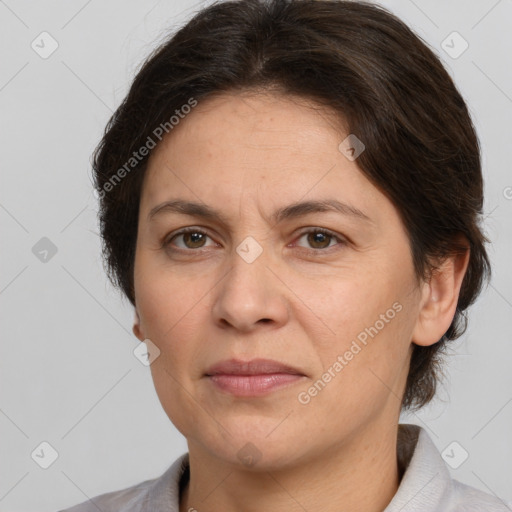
327,291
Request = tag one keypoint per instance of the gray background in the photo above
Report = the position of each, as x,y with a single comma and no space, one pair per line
68,374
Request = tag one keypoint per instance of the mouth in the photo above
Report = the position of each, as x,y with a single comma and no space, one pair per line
252,378
252,367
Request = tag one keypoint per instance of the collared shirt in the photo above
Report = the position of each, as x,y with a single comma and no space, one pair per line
426,485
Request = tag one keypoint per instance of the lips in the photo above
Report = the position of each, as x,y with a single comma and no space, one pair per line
252,367
255,378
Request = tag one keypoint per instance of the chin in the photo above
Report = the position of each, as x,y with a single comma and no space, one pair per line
257,445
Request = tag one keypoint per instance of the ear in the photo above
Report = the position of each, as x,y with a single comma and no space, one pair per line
136,327
439,299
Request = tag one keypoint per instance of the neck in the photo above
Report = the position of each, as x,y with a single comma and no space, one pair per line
360,474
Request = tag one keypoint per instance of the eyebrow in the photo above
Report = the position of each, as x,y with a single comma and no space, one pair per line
293,210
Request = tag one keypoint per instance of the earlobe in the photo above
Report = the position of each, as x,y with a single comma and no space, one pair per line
136,327
439,299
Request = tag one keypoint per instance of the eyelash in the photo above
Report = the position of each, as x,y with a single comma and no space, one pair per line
167,241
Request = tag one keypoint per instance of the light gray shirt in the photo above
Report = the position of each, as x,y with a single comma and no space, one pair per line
426,485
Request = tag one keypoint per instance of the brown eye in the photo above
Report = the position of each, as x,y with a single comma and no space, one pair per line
192,238
320,239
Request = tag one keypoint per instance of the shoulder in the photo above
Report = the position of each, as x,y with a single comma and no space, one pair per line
427,484
130,499
157,493
469,499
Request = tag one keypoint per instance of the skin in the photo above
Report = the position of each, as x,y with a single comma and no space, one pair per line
302,302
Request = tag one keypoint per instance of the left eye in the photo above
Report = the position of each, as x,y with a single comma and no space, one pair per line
320,238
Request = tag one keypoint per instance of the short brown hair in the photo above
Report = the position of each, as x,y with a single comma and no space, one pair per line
366,65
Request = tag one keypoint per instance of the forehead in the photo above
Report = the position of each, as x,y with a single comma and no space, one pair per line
265,123
235,147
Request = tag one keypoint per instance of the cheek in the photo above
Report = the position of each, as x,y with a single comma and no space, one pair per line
167,300
348,304
369,320
171,315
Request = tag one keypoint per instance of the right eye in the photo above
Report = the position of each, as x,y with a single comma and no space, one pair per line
192,238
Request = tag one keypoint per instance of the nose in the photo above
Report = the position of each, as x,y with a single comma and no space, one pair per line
250,295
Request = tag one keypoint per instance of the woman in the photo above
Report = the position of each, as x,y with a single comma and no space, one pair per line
290,197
